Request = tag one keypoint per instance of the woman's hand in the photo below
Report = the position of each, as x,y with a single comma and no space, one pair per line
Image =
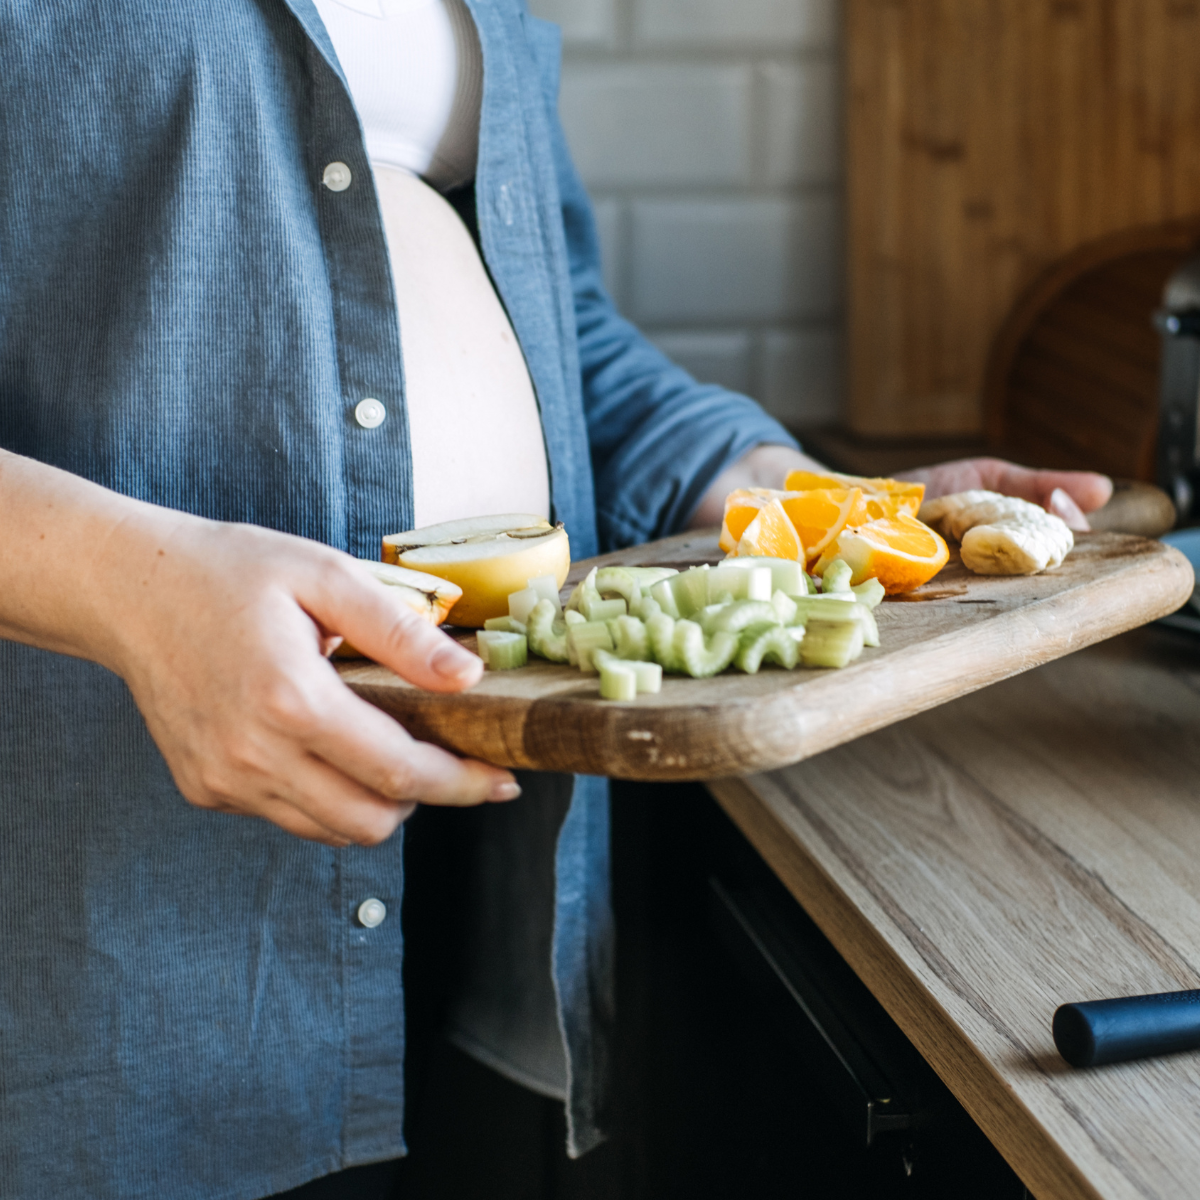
220,632
1067,494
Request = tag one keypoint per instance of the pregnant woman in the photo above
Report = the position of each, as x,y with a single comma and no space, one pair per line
277,279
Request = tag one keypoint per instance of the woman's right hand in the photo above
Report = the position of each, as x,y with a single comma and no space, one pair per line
221,632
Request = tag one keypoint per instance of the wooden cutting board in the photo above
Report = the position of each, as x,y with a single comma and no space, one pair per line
958,633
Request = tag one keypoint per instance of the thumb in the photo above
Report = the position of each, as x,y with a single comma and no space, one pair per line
375,618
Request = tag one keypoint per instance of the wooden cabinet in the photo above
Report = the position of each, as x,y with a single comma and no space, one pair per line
987,140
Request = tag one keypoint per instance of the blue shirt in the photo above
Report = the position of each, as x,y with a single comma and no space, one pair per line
188,1008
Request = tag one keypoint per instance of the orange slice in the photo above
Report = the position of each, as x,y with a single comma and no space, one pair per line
885,497
741,507
899,551
771,534
821,514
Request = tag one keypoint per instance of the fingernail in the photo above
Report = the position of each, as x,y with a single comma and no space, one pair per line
505,791
450,662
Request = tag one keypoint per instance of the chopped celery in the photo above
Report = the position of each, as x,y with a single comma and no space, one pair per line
869,627
630,638
827,644
521,604
661,630
629,582
787,575
828,608
585,587
837,577
583,639
617,681
739,583
648,675
547,636
501,651
733,618
617,581
648,608
784,606
870,592
698,658
690,589
504,625
573,617
546,587
770,644
602,610
663,594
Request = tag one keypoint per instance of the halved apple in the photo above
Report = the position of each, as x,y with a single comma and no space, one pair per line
427,595
488,557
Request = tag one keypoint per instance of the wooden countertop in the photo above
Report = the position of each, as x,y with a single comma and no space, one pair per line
981,863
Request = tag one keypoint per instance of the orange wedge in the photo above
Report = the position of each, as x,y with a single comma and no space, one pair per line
899,551
821,514
884,497
771,534
741,507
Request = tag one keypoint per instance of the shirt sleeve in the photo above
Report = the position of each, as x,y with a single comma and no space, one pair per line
657,437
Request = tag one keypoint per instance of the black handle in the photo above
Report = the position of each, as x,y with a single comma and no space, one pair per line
1105,1031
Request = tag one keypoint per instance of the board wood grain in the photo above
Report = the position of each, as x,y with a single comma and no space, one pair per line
958,633
1017,849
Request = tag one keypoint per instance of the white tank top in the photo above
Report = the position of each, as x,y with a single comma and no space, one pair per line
415,72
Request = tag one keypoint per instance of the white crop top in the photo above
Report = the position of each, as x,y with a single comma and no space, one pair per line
416,74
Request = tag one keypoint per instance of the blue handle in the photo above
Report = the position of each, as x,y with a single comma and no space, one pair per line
1105,1031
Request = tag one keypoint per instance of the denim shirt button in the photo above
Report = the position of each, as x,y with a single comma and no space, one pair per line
337,177
371,913
369,413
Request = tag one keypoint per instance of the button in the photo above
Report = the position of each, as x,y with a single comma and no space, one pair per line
369,413
371,913
337,177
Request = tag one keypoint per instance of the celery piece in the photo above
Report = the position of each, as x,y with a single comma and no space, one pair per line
784,606
828,609
831,645
870,629
739,583
591,635
501,651
690,589
660,628
585,587
573,617
837,577
602,610
735,617
770,644
617,681
648,608
630,638
547,636
787,575
504,625
521,604
699,658
870,592
546,587
649,676
617,581
663,594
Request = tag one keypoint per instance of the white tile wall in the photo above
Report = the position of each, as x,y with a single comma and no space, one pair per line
708,133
